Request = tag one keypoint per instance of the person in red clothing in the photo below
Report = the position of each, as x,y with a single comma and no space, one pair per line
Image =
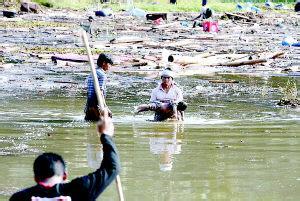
204,14
50,173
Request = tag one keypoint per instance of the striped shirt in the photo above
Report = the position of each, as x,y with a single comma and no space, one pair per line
91,93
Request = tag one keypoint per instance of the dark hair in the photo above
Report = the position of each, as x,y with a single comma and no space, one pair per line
208,13
181,106
47,165
104,58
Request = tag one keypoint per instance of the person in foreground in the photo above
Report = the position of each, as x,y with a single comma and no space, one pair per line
50,173
91,110
166,99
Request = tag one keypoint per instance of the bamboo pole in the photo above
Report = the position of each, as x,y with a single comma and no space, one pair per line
101,101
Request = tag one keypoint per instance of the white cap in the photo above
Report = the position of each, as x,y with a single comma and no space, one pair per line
167,73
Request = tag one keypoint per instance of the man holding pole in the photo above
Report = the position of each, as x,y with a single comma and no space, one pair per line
104,63
50,173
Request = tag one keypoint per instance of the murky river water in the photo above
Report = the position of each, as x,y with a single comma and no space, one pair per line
235,143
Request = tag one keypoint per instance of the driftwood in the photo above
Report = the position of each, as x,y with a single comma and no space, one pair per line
127,40
241,63
205,59
238,17
252,62
137,64
71,57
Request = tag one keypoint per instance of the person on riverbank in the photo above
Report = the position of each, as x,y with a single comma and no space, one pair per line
91,110
205,13
166,99
50,173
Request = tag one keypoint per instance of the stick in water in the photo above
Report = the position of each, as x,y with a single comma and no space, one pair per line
101,100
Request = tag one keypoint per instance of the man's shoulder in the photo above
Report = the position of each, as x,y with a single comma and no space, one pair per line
100,72
157,88
24,194
176,86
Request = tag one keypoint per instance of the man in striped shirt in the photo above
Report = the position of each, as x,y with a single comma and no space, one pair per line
104,63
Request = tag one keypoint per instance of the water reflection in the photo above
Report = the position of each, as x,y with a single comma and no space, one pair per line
94,150
164,141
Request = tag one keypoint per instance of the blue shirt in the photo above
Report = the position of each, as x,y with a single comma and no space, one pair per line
91,93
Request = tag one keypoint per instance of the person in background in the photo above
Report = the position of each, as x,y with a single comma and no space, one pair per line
91,110
297,6
166,99
204,14
50,173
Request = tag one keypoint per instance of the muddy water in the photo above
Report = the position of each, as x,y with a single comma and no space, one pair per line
235,143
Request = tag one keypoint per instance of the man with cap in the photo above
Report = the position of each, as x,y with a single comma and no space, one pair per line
104,63
166,99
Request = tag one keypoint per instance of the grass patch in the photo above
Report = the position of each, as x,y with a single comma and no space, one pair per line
72,4
158,6
50,50
34,24
182,6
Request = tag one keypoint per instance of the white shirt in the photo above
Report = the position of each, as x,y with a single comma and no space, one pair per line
174,94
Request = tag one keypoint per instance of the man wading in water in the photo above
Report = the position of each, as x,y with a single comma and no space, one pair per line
104,63
166,99
50,173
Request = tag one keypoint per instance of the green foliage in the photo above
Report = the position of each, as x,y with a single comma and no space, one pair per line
33,24
154,6
47,3
158,6
48,50
74,4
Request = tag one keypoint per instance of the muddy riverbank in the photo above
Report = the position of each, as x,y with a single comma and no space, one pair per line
30,40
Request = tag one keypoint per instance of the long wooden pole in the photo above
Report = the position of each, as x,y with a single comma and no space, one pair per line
101,100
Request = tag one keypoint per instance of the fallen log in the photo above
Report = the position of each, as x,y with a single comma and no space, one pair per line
71,57
238,17
137,64
252,62
241,63
205,59
127,40
183,59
